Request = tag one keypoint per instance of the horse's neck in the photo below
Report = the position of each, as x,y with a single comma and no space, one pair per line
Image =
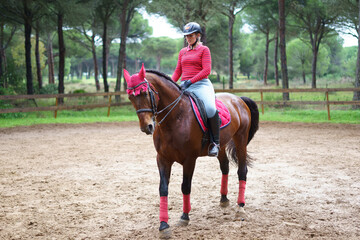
167,94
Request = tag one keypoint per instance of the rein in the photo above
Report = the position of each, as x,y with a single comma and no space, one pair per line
153,108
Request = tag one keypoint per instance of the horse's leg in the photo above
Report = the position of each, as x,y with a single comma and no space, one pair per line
188,170
241,143
164,171
224,167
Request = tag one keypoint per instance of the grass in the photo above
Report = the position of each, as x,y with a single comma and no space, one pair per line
297,113
311,116
119,114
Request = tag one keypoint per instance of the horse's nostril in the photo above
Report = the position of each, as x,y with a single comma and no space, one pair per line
150,127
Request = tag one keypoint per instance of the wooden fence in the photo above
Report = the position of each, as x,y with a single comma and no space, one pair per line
111,103
326,91
58,106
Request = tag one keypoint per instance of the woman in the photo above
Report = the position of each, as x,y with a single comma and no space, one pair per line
194,67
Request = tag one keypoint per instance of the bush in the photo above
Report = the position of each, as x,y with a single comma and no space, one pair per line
14,79
49,89
213,78
79,91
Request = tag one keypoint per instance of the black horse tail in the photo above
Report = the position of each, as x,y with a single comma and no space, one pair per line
254,116
230,147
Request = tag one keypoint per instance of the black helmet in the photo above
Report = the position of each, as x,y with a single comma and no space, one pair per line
191,27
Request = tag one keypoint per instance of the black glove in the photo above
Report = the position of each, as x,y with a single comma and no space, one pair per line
185,84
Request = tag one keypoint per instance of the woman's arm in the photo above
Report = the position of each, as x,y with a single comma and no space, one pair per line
206,66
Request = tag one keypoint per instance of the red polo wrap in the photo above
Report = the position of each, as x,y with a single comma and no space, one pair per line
186,203
241,197
164,217
224,184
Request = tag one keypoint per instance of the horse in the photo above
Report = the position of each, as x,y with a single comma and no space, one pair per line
164,111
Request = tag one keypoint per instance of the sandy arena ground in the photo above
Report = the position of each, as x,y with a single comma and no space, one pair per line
100,181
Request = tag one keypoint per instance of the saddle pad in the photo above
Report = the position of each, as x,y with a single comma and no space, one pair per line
224,114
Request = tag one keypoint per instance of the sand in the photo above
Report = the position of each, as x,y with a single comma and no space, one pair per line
100,181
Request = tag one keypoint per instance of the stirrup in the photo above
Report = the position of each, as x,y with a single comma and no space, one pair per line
213,150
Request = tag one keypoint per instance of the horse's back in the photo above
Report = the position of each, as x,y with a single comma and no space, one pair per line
239,111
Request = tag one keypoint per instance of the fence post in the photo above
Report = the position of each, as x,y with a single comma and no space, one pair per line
56,104
262,99
109,106
327,104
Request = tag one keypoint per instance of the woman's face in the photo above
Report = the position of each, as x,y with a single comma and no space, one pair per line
191,38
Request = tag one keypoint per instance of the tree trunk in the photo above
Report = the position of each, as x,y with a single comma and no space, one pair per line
27,20
105,57
2,51
37,56
231,66
50,57
266,58
313,66
61,56
96,71
276,58
80,71
284,72
356,96
303,71
158,62
125,21
203,35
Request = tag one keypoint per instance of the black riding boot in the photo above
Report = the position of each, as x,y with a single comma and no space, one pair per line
214,128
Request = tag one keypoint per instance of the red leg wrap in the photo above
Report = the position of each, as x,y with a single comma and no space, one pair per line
241,197
224,184
186,203
164,217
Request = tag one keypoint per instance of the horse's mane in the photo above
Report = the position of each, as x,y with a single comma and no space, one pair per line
165,76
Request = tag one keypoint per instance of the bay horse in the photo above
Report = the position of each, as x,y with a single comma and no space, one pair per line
165,112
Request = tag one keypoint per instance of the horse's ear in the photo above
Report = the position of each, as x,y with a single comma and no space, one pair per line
142,72
126,76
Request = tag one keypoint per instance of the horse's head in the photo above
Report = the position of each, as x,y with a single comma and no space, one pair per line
142,97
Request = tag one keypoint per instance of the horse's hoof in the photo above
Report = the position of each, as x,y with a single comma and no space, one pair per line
165,234
224,204
182,223
164,231
184,220
224,201
240,214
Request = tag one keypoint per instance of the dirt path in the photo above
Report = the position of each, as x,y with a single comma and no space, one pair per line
100,181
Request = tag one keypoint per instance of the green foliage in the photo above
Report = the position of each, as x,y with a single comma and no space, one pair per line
158,48
349,61
299,56
79,91
14,79
18,54
49,89
213,78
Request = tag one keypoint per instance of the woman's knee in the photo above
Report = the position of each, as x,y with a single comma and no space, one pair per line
210,111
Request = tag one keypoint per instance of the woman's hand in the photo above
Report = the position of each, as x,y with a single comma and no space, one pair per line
185,84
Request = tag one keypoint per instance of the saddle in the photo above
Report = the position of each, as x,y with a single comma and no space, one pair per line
200,113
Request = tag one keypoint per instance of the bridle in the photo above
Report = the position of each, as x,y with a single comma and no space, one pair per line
153,108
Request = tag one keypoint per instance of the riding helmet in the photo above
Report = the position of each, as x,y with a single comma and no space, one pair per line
191,27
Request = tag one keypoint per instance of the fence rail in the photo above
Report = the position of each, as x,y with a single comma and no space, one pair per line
110,104
297,90
58,107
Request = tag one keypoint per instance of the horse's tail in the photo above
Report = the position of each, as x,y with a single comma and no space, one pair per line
254,117
254,126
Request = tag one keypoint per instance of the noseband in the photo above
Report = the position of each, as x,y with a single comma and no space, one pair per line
153,108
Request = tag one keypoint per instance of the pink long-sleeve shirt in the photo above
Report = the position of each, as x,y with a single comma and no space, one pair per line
193,64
